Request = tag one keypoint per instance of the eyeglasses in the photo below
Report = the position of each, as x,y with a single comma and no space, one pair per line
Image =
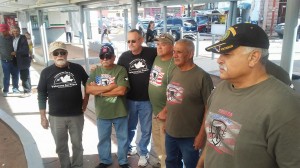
56,53
107,56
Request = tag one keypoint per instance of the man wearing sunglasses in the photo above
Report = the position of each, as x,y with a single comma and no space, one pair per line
60,85
109,84
160,76
138,63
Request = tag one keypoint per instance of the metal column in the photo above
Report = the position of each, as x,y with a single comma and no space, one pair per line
234,12
29,30
289,38
164,11
125,26
44,42
134,13
84,38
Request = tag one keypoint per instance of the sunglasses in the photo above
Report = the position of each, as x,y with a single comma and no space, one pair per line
56,53
131,41
107,56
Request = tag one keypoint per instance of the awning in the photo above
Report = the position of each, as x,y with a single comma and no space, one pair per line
244,5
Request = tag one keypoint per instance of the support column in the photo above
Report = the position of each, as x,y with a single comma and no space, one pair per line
44,41
289,38
134,13
164,12
29,30
125,26
234,12
84,38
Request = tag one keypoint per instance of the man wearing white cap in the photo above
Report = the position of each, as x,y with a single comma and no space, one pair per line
60,85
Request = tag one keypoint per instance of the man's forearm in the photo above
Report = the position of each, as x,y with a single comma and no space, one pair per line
97,90
43,114
119,91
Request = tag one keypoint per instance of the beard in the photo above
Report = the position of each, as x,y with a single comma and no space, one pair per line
61,62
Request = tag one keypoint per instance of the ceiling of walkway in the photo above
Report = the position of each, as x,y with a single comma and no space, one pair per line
12,6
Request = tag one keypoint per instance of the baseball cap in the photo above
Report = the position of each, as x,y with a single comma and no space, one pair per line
3,27
166,38
106,51
57,45
243,34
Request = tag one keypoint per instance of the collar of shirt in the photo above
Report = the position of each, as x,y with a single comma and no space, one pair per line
15,42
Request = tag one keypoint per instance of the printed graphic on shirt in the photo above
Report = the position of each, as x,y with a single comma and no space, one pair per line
221,132
64,80
156,76
138,66
174,93
104,80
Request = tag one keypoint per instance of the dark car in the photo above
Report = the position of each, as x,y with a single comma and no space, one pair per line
279,29
186,25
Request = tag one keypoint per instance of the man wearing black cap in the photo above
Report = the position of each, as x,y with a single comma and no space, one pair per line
109,83
253,118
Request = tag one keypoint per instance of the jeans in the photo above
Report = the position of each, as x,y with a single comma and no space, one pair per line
25,78
142,111
104,134
158,137
10,69
60,127
1,75
184,145
69,37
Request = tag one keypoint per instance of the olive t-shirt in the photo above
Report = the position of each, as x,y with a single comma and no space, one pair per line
113,106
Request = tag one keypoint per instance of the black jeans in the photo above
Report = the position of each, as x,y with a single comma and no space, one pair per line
25,78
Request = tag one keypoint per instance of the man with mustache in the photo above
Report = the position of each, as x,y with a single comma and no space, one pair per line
60,85
253,118
187,94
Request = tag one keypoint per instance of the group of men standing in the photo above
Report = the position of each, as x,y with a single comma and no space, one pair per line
173,99
15,60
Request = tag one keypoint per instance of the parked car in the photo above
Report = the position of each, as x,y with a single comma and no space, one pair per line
175,26
203,23
279,29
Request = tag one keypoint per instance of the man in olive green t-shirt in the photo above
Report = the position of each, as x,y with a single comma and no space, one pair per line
160,76
109,83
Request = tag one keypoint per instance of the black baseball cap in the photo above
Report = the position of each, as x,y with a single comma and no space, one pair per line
243,34
106,51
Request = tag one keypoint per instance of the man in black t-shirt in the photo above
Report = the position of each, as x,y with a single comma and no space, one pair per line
138,63
60,84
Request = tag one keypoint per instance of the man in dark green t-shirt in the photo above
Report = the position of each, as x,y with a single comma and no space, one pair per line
109,83
253,118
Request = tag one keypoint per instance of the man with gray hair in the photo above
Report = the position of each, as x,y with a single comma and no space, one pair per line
187,94
253,118
60,85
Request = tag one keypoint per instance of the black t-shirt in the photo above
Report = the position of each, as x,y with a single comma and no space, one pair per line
62,88
138,68
149,35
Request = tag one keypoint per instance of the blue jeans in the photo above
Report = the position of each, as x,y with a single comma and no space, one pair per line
104,134
10,69
60,128
140,110
175,146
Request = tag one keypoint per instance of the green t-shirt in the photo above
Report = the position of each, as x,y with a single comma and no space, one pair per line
253,127
187,95
110,107
160,75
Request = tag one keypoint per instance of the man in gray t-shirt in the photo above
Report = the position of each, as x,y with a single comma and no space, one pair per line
252,118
